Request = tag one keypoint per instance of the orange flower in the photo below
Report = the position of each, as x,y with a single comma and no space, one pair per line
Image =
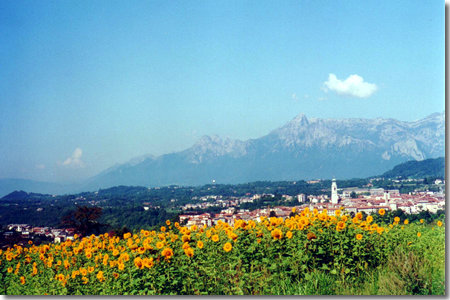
421,221
115,275
22,280
277,234
419,234
167,253
439,223
167,222
359,215
227,247
163,229
215,238
311,236
381,211
359,236
289,234
189,252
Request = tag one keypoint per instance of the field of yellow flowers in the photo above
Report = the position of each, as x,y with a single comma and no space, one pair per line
308,253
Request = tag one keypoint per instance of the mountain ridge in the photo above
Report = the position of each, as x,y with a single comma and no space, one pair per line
302,148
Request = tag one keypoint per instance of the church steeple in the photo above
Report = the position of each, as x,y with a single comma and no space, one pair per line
334,194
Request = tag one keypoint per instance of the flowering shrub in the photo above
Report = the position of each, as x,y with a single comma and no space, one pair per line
222,259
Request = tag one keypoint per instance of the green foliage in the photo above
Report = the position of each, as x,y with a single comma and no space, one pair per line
418,169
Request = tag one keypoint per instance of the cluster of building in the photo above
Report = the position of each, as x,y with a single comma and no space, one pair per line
29,232
355,200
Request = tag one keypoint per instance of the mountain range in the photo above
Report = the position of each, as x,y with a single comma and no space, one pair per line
304,148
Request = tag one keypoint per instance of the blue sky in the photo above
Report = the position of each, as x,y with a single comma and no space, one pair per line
87,84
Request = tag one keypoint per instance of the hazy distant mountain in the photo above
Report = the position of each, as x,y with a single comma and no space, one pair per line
303,148
418,169
9,185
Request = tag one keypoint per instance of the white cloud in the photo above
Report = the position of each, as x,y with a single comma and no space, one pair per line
353,86
294,96
75,159
40,166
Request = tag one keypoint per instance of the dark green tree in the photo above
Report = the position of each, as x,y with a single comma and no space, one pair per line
84,219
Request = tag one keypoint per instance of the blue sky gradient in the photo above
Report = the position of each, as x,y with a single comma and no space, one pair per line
120,79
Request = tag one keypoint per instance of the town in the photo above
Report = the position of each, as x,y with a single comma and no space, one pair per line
351,200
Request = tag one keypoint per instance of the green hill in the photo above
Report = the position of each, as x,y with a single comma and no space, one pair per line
433,167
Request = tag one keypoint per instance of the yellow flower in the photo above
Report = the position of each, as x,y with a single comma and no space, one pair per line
340,226
294,209
439,223
359,215
186,238
148,262
369,219
381,211
337,213
159,245
121,266
421,221
406,222
200,244
167,222
22,280
359,236
277,234
85,280
10,269
126,235
227,247
215,238
289,234
163,229
100,276
419,234
397,219
138,263
115,275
